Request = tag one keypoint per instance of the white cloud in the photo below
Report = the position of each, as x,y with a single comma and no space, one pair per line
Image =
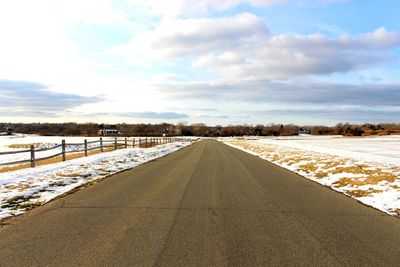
238,50
293,93
241,46
180,37
289,55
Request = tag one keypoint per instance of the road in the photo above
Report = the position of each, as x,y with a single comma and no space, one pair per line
206,205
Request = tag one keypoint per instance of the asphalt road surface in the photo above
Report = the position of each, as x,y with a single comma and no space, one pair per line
206,205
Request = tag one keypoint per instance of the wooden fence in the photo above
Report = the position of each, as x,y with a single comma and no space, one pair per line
100,144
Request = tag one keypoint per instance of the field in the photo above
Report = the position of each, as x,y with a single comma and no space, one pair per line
367,169
24,189
23,142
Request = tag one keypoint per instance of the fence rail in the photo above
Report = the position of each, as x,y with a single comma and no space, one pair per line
104,144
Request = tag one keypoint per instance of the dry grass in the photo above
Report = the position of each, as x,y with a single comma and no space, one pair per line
397,212
332,164
362,179
19,202
19,187
369,180
363,193
51,161
59,159
357,169
320,175
67,175
293,160
309,167
24,146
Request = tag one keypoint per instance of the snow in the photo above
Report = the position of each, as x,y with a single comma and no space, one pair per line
366,168
376,149
40,143
22,189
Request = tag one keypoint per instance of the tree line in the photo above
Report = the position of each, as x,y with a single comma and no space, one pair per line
181,129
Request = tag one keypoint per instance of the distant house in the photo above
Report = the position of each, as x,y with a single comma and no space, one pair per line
9,130
111,131
165,132
302,131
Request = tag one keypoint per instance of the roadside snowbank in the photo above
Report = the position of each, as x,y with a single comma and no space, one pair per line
23,189
372,178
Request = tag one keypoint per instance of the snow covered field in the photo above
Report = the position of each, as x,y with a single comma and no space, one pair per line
367,168
23,189
40,142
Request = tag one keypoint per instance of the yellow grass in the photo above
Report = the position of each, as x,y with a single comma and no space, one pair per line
369,176
24,145
52,160
332,164
309,167
59,158
370,179
357,169
363,193
321,175
68,174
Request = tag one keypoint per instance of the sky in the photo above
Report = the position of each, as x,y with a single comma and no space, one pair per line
214,62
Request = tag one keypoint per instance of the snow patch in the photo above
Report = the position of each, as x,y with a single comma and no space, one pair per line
366,169
20,190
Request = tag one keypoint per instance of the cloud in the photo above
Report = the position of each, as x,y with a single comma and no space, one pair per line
331,115
289,55
289,93
241,46
181,37
155,115
21,98
142,115
193,36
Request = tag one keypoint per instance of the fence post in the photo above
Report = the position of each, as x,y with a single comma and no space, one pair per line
85,143
115,143
101,145
126,142
133,143
145,142
32,156
63,149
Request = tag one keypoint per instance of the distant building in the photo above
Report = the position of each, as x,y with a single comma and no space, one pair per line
9,130
111,131
165,132
302,131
